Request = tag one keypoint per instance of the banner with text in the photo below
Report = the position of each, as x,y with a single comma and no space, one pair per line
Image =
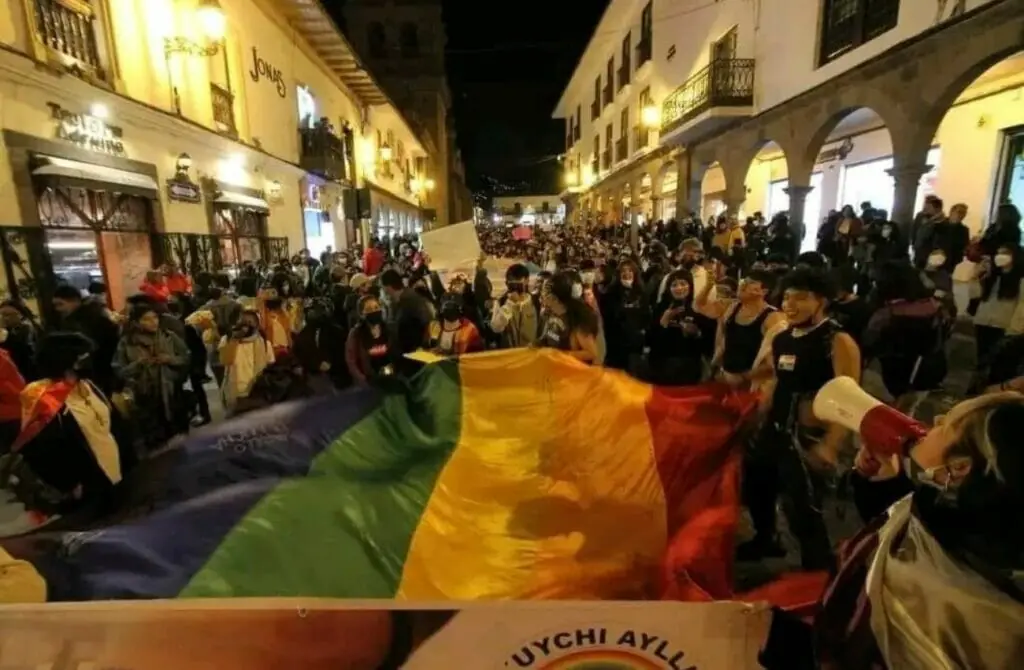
314,635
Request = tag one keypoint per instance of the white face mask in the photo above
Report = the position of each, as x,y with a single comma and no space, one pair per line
577,291
886,232
588,277
628,283
3,335
1003,260
936,260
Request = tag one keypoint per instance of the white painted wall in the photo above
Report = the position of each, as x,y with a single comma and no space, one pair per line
787,34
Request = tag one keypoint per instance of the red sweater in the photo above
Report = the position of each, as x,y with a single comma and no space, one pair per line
373,261
159,292
178,283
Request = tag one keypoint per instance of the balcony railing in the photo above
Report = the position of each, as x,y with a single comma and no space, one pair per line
723,83
595,110
223,110
624,71
606,159
641,137
322,152
67,27
609,94
621,149
644,50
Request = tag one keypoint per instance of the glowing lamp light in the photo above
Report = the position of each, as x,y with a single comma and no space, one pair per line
570,179
416,185
211,19
99,111
429,184
651,116
385,152
588,175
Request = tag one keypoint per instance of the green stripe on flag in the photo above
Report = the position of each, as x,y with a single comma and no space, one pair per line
344,531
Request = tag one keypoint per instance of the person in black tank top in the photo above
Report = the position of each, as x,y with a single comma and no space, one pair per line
742,329
794,452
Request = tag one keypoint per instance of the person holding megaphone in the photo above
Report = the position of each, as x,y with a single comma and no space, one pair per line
937,580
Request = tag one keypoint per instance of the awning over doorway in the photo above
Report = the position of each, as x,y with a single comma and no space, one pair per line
233,199
66,172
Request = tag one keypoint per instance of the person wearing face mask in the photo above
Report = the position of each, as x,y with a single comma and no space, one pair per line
626,316
675,336
794,450
66,457
946,235
320,347
453,333
1002,300
245,354
939,280
368,348
570,325
516,318
935,580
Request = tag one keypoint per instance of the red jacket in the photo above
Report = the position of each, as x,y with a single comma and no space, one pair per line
11,385
178,283
159,292
373,261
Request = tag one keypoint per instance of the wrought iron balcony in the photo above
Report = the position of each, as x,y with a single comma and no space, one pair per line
641,137
67,28
644,50
622,148
606,159
223,102
624,72
723,83
322,152
595,110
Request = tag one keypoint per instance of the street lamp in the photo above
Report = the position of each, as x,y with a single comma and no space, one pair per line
211,19
651,116
429,184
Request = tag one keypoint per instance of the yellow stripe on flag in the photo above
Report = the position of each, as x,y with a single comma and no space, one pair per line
552,490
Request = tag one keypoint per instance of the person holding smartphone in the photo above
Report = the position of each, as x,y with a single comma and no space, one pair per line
676,335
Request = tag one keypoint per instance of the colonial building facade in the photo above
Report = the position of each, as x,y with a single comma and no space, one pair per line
402,41
204,132
798,106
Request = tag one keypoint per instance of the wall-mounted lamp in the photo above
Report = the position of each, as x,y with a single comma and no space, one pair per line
416,185
213,26
183,165
385,152
429,185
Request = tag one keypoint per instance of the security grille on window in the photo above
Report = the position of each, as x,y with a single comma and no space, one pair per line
847,24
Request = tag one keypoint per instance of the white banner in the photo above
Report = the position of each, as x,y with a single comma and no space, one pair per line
452,248
333,634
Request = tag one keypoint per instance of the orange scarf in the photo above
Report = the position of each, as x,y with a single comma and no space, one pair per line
41,402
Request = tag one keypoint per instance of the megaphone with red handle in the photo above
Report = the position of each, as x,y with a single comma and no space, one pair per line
884,431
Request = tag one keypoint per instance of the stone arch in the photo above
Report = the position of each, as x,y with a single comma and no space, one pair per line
658,178
838,111
992,35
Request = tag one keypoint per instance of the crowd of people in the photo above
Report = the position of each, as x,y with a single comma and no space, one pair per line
730,301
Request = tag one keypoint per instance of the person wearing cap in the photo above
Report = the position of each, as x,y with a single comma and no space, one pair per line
937,580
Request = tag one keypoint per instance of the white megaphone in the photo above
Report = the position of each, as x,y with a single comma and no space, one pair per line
884,431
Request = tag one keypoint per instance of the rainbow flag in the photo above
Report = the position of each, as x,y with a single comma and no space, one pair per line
519,474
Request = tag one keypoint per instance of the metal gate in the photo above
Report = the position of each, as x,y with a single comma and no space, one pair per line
28,276
194,253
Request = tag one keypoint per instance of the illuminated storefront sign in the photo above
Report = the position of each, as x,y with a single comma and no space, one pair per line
87,131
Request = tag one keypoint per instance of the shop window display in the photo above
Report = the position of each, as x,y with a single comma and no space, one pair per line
871,182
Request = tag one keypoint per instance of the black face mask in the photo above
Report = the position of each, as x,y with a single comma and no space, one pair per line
374,318
688,263
244,330
274,303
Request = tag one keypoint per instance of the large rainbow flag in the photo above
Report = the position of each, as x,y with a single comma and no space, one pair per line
520,474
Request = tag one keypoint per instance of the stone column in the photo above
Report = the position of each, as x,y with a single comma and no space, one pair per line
656,208
634,214
797,204
683,179
906,180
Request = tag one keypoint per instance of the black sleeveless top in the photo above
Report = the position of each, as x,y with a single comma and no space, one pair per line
802,366
742,342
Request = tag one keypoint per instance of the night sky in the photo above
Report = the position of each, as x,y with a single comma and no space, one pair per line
508,63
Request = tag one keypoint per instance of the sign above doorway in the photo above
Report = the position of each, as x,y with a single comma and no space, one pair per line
184,190
87,131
